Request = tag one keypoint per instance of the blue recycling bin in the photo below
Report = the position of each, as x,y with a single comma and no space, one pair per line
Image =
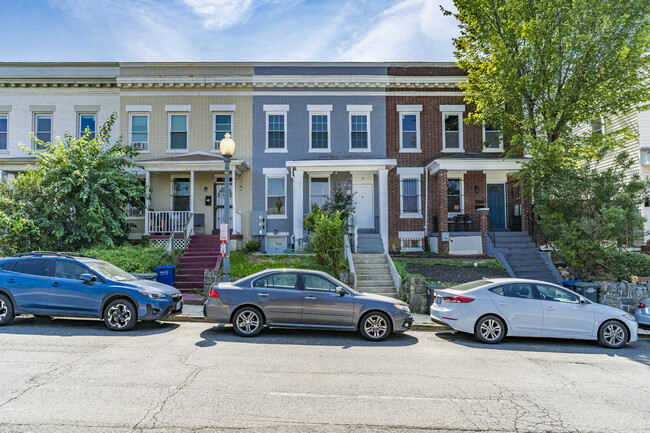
166,274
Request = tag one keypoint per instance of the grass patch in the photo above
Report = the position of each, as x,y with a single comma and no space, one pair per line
133,258
242,265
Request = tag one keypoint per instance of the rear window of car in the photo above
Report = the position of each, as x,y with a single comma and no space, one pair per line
7,266
39,267
471,285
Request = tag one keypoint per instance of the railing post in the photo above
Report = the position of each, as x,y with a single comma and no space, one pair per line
484,225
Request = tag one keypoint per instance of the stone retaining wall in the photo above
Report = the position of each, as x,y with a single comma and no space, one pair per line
210,277
625,296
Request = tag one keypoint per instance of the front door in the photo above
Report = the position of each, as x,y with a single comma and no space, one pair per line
496,201
365,206
322,306
219,214
280,296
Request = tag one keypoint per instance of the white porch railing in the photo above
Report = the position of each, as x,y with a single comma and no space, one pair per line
165,222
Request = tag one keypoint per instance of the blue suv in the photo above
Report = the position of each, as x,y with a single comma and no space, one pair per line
73,285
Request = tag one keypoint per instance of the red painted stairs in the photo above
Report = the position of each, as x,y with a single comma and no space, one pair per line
201,254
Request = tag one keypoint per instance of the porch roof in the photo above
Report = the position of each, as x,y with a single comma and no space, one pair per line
475,161
194,161
342,164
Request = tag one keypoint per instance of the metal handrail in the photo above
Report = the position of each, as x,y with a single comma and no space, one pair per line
348,256
187,230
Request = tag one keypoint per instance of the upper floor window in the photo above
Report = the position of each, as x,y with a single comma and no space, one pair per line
492,138
359,132
87,122
276,130
139,131
454,196
222,126
452,137
410,201
319,132
3,131
43,130
409,132
177,132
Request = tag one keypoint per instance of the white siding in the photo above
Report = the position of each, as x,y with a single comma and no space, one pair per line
632,146
644,129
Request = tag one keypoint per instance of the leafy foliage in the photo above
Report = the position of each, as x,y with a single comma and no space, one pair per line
252,246
133,258
327,242
340,200
242,265
625,264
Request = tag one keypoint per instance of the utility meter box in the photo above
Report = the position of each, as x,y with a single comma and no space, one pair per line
259,223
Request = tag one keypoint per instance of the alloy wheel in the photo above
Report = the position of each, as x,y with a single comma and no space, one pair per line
614,334
375,326
3,309
119,316
248,322
490,329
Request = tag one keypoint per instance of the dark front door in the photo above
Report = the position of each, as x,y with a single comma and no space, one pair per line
496,201
219,191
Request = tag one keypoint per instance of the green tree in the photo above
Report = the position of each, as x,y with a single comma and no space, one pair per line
77,195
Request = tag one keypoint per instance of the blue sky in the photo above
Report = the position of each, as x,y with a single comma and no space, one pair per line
226,30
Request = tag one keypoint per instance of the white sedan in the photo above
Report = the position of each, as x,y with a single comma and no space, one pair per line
492,309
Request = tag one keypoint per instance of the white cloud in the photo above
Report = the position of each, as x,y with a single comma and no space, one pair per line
221,14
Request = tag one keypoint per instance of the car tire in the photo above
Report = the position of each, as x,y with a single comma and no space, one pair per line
612,334
248,322
375,326
6,311
120,315
490,330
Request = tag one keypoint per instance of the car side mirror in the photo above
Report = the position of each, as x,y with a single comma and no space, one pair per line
88,278
583,301
340,291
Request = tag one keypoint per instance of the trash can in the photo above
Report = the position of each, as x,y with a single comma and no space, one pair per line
166,274
583,288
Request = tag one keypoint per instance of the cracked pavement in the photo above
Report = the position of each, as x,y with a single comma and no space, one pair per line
75,376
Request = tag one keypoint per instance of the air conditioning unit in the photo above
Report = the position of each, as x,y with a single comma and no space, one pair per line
141,145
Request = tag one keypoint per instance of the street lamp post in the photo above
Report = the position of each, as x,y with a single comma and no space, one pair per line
227,147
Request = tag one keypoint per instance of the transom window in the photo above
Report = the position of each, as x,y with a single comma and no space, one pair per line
409,131
178,131
454,196
276,131
276,195
3,131
43,130
492,137
452,135
139,133
359,132
88,122
410,194
320,132
222,126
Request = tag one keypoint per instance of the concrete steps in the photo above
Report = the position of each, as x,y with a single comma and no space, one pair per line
373,274
524,258
369,243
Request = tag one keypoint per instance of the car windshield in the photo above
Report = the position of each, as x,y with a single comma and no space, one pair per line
471,285
109,271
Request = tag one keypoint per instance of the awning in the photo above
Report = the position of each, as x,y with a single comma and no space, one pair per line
475,162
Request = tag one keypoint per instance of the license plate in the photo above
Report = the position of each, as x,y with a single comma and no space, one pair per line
438,300
179,305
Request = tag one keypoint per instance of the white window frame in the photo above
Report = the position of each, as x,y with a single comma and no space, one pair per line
34,119
169,131
492,150
411,236
319,176
417,149
276,150
329,132
85,113
460,148
130,132
5,114
462,197
403,214
266,196
359,113
215,143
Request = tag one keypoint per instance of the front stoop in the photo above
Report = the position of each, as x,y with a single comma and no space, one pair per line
201,254
373,274
523,257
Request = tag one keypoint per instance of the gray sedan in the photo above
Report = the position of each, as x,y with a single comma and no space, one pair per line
291,298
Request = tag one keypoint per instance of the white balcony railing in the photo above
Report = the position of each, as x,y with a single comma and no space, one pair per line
165,222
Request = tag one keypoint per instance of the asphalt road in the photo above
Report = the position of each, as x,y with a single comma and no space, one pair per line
75,376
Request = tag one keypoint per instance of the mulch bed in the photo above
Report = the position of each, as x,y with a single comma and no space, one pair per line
455,274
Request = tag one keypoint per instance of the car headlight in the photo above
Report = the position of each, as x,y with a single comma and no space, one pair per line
154,295
629,317
404,308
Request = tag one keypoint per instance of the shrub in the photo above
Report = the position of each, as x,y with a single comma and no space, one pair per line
328,243
624,264
252,246
133,258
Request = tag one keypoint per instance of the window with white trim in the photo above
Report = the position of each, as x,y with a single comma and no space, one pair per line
222,126
455,196
409,132
4,127
452,135
276,196
410,196
319,191
276,131
87,122
139,131
319,132
42,130
177,132
359,132
492,138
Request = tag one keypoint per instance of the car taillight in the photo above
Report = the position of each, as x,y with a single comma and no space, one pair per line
458,299
213,293
641,305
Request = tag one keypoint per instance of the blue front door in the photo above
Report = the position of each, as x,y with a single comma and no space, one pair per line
496,201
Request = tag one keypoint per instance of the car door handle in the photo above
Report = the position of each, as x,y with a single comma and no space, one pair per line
55,284
550,308
310,298
505,304
262,294
11,280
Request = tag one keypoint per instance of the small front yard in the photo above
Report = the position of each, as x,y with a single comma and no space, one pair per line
242,265
449,271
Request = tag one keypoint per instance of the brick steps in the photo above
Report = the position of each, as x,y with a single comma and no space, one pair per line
201,254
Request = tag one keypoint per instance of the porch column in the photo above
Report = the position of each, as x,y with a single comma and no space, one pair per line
298,193
484,225
443,228
383,207
192,199
233,197
147,183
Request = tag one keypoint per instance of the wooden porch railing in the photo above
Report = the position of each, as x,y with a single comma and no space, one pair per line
165,222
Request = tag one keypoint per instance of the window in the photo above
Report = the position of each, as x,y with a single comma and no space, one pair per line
285,281
411,245
181,194
316,283
39,267
7,266
276,187
177,132
359,132
43,130
3,131
276,132
222,126
319,132
550,293
524,291
492,139
454,196
410,195
319,191
87,121
452,138
409,132
597,126
69,270
139,131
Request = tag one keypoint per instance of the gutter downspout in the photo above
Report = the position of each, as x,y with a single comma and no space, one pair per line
426,204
